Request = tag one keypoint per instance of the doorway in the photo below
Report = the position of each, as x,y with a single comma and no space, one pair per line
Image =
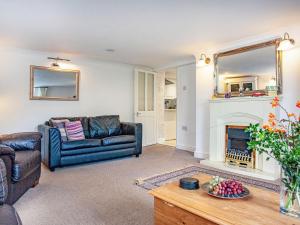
170,107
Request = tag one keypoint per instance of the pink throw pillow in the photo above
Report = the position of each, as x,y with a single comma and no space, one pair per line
74,131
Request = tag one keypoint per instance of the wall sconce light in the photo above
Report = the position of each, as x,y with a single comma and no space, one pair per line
286,43
203,61
57,60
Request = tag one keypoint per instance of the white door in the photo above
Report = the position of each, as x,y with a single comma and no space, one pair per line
144,104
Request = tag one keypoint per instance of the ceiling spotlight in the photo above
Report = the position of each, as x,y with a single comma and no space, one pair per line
286,43
203,61
110,50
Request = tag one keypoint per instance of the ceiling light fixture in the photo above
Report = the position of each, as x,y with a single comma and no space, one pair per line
57,60
286,43
111,50
203,61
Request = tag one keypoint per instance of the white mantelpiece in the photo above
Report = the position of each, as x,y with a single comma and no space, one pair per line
239,111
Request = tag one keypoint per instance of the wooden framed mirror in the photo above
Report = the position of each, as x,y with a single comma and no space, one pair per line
49,83
249,69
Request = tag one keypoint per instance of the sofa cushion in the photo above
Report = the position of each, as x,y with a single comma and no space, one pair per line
114,140
92,157
112,123
84,121
97,128
25,163
74,131
104,126
60,124
92,150
86,143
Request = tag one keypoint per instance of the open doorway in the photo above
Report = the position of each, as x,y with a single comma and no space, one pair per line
170,107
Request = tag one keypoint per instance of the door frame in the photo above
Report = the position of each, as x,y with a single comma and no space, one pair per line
161,100
135,100
177,94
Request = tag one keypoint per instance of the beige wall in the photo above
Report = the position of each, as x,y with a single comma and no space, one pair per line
186,107
105,88
205,85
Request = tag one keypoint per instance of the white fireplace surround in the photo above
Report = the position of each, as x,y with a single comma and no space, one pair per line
240,111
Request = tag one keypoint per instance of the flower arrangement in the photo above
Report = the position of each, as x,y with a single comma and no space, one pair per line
280,139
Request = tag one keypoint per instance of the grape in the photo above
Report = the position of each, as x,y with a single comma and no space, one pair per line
226,187
219,186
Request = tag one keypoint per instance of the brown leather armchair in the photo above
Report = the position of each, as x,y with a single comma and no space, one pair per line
8,214
21,153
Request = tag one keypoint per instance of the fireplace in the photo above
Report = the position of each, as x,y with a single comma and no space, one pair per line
239,113
236,149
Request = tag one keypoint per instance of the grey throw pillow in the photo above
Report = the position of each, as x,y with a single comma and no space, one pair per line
60,125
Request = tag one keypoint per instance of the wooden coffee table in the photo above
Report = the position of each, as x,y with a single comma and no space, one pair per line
174,206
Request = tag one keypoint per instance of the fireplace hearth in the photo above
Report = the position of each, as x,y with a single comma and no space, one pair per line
236,150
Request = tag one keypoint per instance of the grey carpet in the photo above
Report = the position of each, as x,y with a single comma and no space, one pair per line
101,193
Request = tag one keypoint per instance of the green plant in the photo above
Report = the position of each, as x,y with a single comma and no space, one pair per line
280,139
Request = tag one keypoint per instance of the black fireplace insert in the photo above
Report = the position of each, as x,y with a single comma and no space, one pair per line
237,151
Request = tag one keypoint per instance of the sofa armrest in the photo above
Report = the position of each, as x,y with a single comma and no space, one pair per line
3,182
135,129
22,141
51,146
7,155
7,151
129,128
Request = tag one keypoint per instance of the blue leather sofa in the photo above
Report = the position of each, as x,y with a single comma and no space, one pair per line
106,138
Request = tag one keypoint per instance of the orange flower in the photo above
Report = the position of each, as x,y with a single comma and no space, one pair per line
271,116
280,130
275,102
291,115
298,104
266,126
272,123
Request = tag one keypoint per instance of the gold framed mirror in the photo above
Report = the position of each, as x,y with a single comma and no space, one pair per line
249,69
49,83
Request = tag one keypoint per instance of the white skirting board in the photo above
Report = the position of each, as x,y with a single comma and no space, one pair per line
186,148
200,155
161,140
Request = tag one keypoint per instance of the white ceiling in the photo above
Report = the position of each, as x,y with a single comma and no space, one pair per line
144,32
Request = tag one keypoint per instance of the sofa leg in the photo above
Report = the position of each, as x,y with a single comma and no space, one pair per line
52,169
137,155
35,183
